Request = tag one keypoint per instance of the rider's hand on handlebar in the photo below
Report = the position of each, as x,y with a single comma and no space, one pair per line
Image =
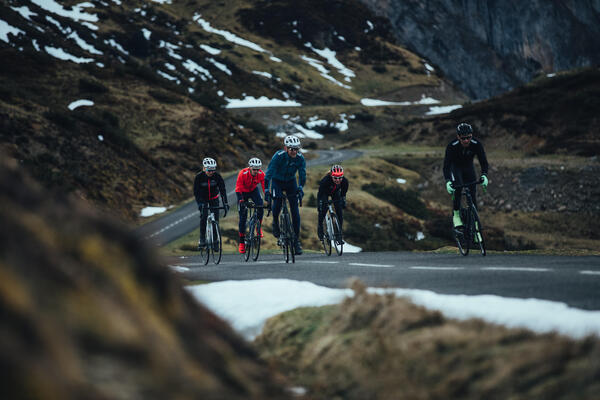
449,187
226,209
200,206
484,182
267,196
344,202
300,193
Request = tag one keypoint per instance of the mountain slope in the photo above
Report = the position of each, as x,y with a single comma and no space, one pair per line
487,48
156,79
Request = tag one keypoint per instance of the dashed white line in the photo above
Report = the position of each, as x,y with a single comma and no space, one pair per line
372,265
524,269
321,262
436,268
586,272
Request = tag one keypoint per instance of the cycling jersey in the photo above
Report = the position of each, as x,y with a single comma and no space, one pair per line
209,188
328,187
459,156
283,168
247,183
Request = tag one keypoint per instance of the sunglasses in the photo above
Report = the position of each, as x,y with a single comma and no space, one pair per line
294,148
210,170
466,137
254,169
337,177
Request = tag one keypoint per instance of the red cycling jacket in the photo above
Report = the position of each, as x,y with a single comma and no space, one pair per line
247,183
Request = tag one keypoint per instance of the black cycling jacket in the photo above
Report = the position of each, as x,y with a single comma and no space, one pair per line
459,156
206,188
328,188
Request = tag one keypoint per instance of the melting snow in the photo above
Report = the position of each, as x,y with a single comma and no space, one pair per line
80,103
63,55
263,101
6,29
442,109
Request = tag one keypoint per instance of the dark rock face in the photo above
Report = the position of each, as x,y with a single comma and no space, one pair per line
489,47
88,312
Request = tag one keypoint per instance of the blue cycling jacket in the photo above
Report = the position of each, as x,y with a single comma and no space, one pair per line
283,168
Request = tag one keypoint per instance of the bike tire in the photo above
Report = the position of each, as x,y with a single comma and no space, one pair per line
205,251
255,241
291,238
461,237
248,240
326,241
477,228
283,239
337,235
216,249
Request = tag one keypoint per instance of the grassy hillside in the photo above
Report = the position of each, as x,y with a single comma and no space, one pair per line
159,77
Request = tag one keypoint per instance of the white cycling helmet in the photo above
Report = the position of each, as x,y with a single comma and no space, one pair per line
291,141
254,162
209,163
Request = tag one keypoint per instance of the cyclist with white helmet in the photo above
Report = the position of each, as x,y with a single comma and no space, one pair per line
281,177
458,167
333,185
247,187
208,187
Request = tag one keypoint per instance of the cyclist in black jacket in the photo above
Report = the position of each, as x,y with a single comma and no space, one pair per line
208,186
333,184
458,166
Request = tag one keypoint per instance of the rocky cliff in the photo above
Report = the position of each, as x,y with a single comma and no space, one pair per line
489,47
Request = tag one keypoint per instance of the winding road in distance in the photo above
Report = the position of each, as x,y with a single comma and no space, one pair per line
186,218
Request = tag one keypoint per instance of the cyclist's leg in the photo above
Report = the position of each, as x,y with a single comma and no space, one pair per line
457,178
258,200
276,205
295,211
321,210
337,204
469,176
203,218
243,215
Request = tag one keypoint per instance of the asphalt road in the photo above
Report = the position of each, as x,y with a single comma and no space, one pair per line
572,280
185,219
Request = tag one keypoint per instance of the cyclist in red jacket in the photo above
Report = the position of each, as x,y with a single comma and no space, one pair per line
246,188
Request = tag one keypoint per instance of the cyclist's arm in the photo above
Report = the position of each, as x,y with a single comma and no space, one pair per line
302,172
483,163
448,164
222,189
344,187
271,171
197,191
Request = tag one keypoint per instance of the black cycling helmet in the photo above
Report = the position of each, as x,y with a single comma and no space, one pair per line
464,129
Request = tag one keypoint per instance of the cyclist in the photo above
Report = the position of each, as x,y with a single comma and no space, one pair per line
246,187
458,166
281,177
208,186
333,184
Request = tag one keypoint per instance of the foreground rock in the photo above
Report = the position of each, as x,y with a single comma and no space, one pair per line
89,312
381,347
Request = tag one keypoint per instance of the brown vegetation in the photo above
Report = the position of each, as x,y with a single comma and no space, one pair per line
382,347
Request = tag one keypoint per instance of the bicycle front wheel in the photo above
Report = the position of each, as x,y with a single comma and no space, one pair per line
478,232
205,251
461,237
248,240
255,240
291,238
337,235
283,239
216,249
326,241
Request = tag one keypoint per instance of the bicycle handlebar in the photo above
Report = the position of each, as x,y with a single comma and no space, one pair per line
478,182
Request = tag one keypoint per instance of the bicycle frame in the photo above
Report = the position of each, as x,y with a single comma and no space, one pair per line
287,238
251,239
210,236
334,232
472,229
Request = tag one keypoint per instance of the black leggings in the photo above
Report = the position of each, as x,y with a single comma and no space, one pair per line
337,205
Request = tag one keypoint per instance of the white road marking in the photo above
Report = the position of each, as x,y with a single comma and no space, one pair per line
179,268
372,265
525,269
173,224
322,262
436,268
590,272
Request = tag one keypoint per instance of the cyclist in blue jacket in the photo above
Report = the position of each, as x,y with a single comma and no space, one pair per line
281,177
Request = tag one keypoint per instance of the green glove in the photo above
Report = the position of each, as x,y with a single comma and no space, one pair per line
485,181
449,187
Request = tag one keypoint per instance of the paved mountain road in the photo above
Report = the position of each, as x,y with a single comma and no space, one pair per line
185,219
572,280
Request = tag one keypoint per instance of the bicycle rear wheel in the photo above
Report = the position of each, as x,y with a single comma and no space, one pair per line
216,249
326,241
478,232
337,235
283,239
255,240
291,238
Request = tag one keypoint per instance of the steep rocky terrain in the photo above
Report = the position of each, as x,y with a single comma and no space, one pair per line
89,312
156,78
487,48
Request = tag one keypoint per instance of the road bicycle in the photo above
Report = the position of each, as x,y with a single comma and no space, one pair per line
332,233
287,238
253,230
471,234
213,247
